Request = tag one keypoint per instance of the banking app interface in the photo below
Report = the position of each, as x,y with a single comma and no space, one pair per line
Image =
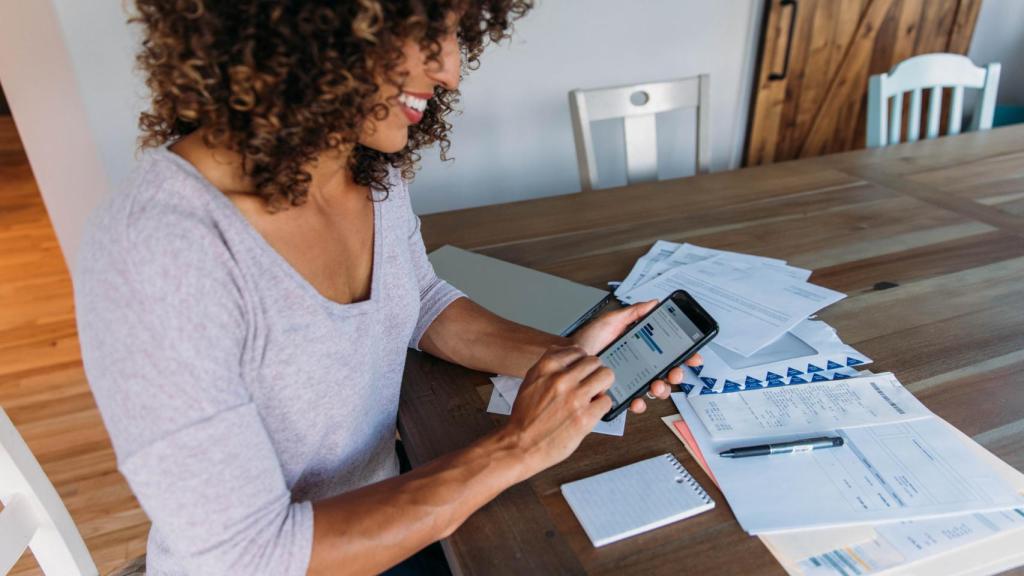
648,348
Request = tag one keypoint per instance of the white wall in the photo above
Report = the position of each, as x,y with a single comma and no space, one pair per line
102,48
514,140
49,108
999,37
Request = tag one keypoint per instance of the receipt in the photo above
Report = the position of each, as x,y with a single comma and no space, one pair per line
812,408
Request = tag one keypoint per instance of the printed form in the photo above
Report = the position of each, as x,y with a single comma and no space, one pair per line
815,408
901,543
899,471
665,256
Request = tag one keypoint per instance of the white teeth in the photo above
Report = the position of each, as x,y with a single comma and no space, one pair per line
417,104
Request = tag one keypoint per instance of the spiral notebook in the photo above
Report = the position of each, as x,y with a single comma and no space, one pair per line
636,498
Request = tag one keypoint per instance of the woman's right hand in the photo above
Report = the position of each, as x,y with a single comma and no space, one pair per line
561,399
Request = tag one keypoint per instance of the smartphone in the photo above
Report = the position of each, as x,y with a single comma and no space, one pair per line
675,330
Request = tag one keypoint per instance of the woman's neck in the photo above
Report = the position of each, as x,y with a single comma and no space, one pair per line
330,180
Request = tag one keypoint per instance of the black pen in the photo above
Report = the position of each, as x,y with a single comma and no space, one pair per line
784,447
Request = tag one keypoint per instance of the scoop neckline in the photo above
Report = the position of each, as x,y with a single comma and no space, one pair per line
223,203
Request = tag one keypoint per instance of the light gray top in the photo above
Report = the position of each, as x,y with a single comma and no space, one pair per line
235,394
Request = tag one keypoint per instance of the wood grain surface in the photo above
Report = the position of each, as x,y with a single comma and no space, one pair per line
942,220
42,384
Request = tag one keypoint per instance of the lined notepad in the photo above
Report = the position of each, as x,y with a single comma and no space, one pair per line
642,496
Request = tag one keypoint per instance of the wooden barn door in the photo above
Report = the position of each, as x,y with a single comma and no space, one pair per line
815,60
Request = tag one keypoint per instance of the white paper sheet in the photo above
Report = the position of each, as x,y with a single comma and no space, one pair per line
837,549
498,404
903,543
687,254
507,388
753,304
660,251
916,540
664,256
909,470
810,409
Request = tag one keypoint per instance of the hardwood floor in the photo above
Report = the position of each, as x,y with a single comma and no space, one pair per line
42,384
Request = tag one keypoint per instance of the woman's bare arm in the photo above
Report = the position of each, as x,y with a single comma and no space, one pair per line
470,335
373,528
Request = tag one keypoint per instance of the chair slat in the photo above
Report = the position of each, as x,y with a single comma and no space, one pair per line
56,545
934,110
956,110
704,126
895,118
641,148
17,526
985,108
877,118
584,144
914,121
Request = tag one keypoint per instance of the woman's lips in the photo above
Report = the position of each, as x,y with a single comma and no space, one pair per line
414,116
413,104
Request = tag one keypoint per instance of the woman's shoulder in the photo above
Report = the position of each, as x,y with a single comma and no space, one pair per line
164,207
397,186
163,186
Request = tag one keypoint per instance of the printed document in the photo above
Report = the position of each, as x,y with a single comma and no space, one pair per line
804,410
690,254
901,471
661,251
753,304
665,256
902,543
912,546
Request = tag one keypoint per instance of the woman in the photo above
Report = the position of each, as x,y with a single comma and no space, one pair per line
246,301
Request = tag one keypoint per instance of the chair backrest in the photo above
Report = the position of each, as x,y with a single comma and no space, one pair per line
931,72
637,105
33,515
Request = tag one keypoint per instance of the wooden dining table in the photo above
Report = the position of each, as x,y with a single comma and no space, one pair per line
925,238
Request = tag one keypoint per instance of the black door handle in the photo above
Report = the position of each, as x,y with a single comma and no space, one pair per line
789,40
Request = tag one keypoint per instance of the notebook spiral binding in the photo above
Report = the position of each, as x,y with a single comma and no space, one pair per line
689,479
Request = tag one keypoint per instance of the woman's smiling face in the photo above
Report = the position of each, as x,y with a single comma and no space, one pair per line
406,103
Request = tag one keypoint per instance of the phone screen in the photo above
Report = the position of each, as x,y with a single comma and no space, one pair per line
648,348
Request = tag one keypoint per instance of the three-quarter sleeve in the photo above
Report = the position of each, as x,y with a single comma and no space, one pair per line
163,325
435,293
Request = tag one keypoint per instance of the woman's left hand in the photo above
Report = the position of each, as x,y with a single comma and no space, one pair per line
603,330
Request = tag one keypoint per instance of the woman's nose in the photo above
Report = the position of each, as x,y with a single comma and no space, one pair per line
447,69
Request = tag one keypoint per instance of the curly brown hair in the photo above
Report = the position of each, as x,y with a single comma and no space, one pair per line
279,82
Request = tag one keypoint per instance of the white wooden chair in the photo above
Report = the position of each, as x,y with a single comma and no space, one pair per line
931,72
637,105
33,515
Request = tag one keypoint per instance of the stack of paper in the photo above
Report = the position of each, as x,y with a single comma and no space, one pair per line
905,493
762,306
965,505
980,543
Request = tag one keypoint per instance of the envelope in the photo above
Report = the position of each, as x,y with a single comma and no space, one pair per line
810,352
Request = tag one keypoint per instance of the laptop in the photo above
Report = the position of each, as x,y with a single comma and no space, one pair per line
536,299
